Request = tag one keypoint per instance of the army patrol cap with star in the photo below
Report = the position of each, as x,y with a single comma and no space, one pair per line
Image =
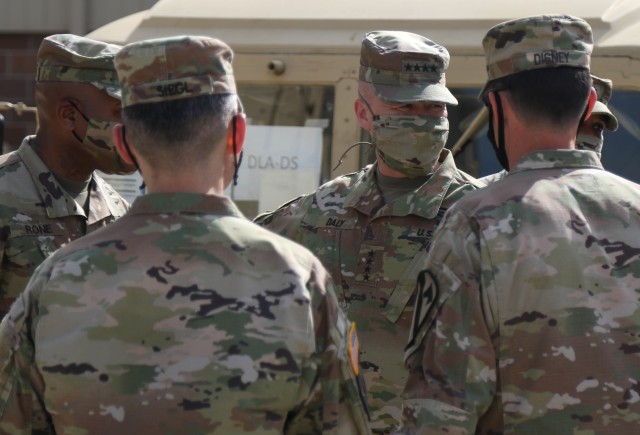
544,41
174,68
404,67
76,59
604,89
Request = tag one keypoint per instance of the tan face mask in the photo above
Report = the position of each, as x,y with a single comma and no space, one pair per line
591,143
410,144
99,142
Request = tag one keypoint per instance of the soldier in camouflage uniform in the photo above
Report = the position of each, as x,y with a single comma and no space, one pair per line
49,192
182,317
590,134
371,229
528,311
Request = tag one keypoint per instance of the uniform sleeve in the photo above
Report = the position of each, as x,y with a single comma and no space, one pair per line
337,402
450,356
22,409
287,219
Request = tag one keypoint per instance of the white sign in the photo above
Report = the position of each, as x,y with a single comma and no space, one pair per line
279,164
128,186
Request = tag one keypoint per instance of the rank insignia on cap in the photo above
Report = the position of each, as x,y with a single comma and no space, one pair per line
417,66
354,349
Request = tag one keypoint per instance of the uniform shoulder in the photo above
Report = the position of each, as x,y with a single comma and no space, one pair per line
464,178
121,205
19,190
296,208
342,183
492,178
258,237
9,163
266,217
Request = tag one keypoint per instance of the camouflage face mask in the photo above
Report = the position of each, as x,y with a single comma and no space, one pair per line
410,144
99,142
591,143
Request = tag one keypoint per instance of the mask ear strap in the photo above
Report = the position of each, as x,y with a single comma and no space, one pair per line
498,145
366,103
81,114
132,157
237,161
501,145
235,155
79,111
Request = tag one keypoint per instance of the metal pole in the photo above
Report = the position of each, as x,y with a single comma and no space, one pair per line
474,127
19,108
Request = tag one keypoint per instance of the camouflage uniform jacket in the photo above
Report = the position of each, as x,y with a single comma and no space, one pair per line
492,178
528,316
369,248
182,317
37,217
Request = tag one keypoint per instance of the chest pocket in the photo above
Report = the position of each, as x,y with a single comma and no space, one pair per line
323,235
31,243
387,250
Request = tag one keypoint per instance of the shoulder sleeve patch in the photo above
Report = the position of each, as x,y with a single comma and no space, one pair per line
353,349
435,285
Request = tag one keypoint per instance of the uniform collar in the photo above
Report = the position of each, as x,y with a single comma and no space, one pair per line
424,202
104,201
184,202
547,159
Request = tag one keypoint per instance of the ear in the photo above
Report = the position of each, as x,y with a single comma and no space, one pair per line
67,115
593,97
118,139
363,114
493,107
240,130
492,101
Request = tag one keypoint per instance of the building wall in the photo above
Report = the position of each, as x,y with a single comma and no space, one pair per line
23,24
17,70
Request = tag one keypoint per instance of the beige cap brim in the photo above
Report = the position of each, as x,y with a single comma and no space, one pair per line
611,122
436,93
112,89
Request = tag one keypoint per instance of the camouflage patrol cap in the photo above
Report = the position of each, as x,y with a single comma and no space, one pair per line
174,68
544,41
404,67
76,59
604,89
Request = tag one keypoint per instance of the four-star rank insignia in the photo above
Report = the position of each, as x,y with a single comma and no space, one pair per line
416,66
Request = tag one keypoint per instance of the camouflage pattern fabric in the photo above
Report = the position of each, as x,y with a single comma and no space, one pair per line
530,43
528,312
180,318
604,90
492,178
369,248
37,217
174,68
76,59
405,67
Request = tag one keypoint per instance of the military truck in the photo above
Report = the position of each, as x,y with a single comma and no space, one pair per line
296,64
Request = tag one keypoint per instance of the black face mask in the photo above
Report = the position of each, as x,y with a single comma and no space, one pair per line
499,147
